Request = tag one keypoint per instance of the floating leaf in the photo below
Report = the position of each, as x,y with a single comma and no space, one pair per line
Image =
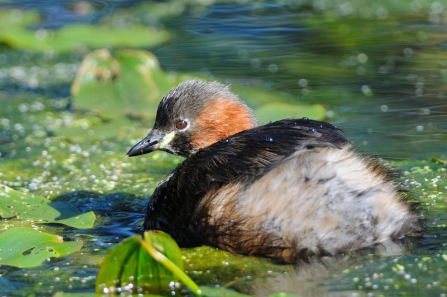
74,36
14,33
120,89
24,206
277,111
26,247
130,85
437,160
129,267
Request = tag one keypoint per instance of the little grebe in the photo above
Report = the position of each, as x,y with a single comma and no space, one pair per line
284,190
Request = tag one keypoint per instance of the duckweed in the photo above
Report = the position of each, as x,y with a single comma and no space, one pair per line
364,62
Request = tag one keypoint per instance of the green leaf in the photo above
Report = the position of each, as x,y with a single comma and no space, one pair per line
278,111
129,268
81,35
437,160
130,85
120,89
14,32
26,247
41,210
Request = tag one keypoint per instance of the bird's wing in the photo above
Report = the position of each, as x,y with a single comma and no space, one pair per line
250,153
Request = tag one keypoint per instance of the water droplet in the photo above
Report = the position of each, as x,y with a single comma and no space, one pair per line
311,130
321,126
269,139
231,221
212,179
305,119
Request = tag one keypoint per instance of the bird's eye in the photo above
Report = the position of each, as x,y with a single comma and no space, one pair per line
181,124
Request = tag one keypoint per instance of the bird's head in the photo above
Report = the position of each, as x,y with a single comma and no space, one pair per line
194,115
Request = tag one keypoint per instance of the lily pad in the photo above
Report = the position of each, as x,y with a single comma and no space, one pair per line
278,111
75,36
26,247
24,206
130,85
14,33
120,89
129,267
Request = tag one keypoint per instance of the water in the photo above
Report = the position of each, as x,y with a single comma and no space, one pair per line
383,78
379,69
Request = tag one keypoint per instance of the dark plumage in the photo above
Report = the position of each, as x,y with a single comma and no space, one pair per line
284,190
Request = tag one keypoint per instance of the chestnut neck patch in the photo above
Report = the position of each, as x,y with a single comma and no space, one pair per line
220,119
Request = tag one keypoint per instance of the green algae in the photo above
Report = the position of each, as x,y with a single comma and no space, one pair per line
78,157
90,170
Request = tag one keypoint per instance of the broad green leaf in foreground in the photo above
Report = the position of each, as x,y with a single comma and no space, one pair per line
26,247
130,268
149,265
25,206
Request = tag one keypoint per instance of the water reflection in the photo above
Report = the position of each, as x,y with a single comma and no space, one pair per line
383,78
380,69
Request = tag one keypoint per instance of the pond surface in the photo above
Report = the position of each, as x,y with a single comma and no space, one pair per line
379,70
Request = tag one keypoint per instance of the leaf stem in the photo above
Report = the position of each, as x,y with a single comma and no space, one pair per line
159,257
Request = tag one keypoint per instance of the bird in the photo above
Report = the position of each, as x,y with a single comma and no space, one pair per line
286,190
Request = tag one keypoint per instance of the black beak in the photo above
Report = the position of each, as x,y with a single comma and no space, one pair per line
149,144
